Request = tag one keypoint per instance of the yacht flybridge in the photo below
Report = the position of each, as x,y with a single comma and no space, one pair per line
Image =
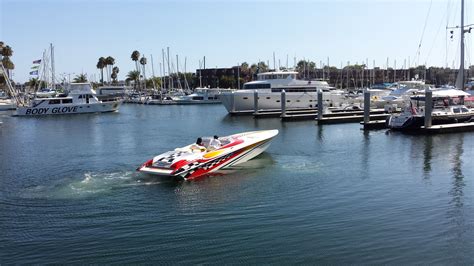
196,160
269,85
81,99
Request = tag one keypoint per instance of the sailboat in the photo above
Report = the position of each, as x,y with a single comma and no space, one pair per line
447,104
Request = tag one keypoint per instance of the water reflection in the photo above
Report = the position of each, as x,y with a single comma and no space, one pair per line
458,177
320,133
457,237
427,155
215,187
365,154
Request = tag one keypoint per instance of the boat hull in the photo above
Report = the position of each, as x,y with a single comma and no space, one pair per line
243,101
227,157
102,107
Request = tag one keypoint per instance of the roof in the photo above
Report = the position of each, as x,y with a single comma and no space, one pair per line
277,73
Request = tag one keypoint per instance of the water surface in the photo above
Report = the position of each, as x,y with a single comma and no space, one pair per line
69,193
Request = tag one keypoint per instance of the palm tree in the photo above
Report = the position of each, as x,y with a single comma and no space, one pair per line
33,82
109,62
135,57
134,76
101,65
115,71
7,51
8,64
143,63
80,78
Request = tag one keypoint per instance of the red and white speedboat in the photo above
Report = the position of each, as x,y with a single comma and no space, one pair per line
188,162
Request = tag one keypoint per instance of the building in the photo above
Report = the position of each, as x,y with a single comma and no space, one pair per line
218,77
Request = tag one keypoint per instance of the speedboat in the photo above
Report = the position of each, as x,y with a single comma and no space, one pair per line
188,162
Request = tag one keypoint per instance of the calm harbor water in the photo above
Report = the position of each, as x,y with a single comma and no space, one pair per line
69,193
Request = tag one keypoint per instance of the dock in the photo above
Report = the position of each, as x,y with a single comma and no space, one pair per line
348,119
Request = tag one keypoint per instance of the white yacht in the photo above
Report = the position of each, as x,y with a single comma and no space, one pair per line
106,93
201,96
269,85
81,99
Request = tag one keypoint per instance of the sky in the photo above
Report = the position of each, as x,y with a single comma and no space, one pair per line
231,32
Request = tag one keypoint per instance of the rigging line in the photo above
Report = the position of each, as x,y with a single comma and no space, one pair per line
423,33
446,32
435,39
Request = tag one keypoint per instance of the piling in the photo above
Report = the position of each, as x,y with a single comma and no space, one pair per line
428,107
255,102
366,106
232,102
283,103
320,104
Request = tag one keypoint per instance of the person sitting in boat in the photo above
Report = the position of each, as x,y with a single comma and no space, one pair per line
215,143
198,147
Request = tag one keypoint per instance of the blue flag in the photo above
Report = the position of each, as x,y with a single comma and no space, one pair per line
34,72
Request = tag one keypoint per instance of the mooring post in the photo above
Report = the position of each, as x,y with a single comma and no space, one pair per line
366,106
320,104
283,103
232,102
428,107
255,102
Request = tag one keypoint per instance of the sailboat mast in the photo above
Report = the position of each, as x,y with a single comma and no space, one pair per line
170,79
461,68
52,66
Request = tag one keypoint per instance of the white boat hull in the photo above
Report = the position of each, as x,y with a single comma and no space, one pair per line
69,109
243,101
186,164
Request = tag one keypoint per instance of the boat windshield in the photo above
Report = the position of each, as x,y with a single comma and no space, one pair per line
207,140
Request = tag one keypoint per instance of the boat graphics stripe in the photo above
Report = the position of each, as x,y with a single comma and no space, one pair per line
213,165
170,158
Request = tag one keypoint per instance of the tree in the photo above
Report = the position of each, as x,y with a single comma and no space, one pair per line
143,63
7,51
109,62
8,64
154,82
100,65
135,57
134,76
115,71
33,82
81,78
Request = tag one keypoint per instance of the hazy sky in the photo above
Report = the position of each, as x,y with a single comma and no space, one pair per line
231,32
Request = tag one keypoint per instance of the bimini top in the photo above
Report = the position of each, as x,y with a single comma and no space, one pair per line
80,88
449,93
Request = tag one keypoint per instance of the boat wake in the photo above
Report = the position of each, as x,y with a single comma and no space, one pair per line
90,184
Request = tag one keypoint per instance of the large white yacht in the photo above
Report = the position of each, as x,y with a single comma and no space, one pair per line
201,96
269,85
81,99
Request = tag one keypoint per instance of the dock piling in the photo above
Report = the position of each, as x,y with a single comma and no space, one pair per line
232,101
283,103
366,106
255,102
320,104
428,107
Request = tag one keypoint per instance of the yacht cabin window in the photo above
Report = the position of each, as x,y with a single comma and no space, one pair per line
54,101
